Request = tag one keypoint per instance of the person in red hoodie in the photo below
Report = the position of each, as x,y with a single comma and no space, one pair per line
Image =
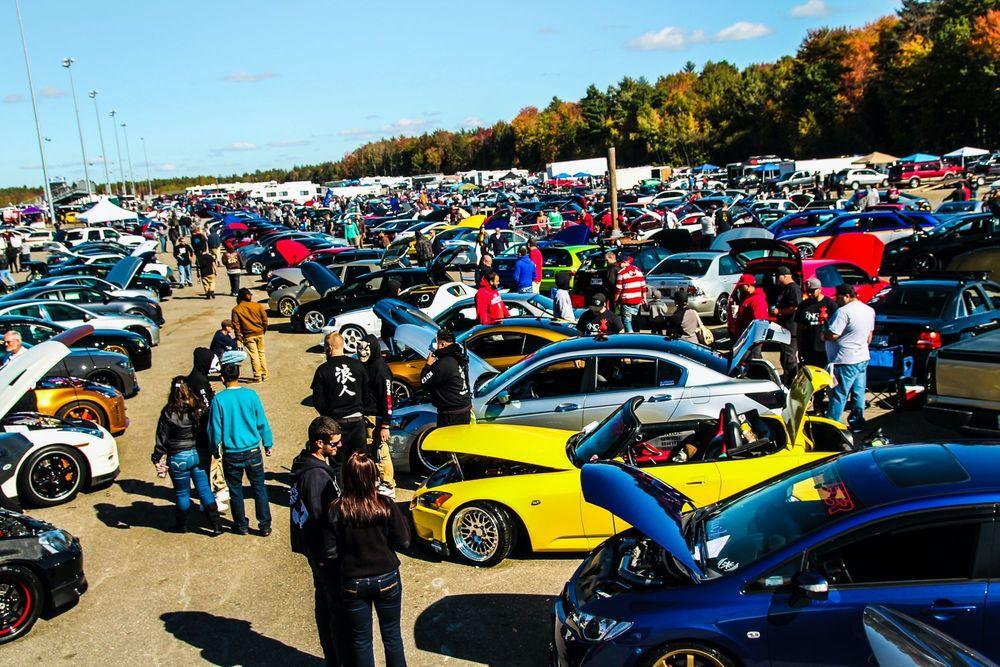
490,308
536,258
752,307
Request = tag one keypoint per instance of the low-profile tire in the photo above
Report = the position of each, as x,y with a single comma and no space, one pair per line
721,313
313,321
106,378
84,410
353,334
287,306
142,331
914,182
424,463
884,183
924,263
806,250
482,533
116,348
21,601
688,654
256,268
51,476
135,312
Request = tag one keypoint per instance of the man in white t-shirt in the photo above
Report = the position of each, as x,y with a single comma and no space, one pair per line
848,335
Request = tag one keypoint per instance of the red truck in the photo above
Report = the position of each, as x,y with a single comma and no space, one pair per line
914,174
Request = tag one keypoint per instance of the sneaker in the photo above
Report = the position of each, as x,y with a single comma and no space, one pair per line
222,495
386,490
264,532
221,505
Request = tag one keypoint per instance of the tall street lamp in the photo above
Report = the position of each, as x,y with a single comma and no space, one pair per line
104,154
34,109
67,63
145,155
128,154
118,148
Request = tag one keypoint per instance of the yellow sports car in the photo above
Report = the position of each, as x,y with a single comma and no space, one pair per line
507,482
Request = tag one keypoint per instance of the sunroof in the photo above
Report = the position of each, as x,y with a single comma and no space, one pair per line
920,465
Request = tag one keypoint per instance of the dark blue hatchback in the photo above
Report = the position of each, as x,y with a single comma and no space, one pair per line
781,574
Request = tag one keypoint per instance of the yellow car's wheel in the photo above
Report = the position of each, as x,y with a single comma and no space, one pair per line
482,534
689,655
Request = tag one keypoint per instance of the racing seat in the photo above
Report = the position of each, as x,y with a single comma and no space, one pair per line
727,435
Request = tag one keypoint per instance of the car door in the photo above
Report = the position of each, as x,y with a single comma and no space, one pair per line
931,565
980,315
550,394
620,378
63,314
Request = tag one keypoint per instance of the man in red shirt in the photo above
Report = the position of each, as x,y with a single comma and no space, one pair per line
536,258
753,306
490,307
630,291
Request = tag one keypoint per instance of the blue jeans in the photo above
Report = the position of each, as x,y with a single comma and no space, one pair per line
385,592
851,382
628,312
234,464
163,244
185,467
233,357
184,273
530,289
7,278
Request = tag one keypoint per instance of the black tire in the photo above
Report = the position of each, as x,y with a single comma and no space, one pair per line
687,653
286,306
84,410
51,476
924,263
135,312
424,463
914,182
884,183
142,332
806,250
117,348
106,378
477,524
721,314
352,333
21,599
313,321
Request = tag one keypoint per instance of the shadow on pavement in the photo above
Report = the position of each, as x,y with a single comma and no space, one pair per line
517,628
140,487
230,641
140,514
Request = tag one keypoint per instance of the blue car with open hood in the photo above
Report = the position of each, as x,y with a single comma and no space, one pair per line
781,574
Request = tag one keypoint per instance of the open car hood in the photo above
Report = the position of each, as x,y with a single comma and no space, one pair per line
721,241
142,248
395,313
291,251
23,373
808,381
763,252
863,250
759,331
395,255
124,271
572,235
674,240
545,447
419,339
321,278
650,505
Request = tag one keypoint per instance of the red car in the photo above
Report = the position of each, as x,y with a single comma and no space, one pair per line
847,258
915,173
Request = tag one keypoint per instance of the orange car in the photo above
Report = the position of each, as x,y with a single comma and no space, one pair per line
501,345
73,398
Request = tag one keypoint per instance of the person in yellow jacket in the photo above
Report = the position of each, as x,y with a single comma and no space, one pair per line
250,324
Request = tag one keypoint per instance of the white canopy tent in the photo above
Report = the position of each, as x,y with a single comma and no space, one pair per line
104,211
966,152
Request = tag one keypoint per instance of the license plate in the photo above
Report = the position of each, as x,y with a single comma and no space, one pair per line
880,339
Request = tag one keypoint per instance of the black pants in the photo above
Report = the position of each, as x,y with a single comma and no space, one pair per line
234,283
790,361
331,621
385,593
454,418
353,438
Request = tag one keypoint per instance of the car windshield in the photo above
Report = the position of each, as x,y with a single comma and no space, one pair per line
603,441
683,266
752,525
543,302
956,207
912,300
948,227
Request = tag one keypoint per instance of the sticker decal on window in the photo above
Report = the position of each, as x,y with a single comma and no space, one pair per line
836,497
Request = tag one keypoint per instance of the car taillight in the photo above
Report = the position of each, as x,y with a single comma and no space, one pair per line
694,290
928,340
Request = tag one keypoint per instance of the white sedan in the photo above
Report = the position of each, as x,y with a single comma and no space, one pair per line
72,315
432,299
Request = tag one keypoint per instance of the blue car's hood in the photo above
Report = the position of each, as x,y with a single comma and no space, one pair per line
645,502
321,278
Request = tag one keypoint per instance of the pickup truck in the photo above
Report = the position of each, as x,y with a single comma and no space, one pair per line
964,391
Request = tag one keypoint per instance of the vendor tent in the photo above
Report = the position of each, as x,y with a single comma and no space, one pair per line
706,168
875,159
966,152
919,157
104,211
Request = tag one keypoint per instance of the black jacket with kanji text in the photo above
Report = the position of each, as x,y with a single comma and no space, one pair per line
339,387
447,379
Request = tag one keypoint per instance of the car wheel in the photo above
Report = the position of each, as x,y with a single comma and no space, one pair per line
855,186
884,183
287,306
51,476
20,601
924,263
721,313
256,268
401,392
135,312
142,331
482,534
914,182
117,348
980,181
353,335
86,410
689,655
313,321
806,250
106,378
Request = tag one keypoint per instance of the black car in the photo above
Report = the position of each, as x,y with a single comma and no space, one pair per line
591,276
107,270
128,343
93,300
41,570
922,314
932,250
311,317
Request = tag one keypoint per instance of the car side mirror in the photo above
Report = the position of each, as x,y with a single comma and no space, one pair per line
503,398
811,585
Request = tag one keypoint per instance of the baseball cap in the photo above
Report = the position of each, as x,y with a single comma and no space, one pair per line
813,283
598,300
747,279
784,271
843,289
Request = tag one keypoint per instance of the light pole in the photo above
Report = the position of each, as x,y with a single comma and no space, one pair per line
145,155
67,63
104,154
118,148
34,109
128,154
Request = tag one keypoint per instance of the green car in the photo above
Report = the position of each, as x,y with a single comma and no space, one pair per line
565,258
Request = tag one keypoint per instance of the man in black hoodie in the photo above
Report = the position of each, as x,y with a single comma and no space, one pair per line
378,409
339,388
314,487
446,377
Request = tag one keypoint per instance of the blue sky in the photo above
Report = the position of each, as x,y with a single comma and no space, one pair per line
223,86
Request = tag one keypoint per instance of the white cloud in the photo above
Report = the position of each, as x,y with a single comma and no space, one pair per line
51,92
668,39
742,30
357,133
237,146
13,98
287,142
166,166
247,77
405,125
810,8
473,121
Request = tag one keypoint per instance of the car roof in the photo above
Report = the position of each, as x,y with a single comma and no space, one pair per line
538,325
637,343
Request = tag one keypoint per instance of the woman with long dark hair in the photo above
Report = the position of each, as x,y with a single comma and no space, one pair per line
181,451
369,529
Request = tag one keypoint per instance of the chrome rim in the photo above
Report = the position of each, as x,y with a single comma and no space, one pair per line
352,336
257,268
722,308
313,321
805,250
116,348
55,476
400,392
15,605
477,535
688,657
287,306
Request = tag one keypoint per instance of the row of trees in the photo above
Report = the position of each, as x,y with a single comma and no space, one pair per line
926,78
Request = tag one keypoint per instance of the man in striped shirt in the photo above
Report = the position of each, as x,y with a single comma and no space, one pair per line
630,291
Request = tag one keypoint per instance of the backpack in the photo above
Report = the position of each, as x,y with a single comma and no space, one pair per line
705,335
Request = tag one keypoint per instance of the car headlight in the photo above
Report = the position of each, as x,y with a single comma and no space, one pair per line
596,628
55,541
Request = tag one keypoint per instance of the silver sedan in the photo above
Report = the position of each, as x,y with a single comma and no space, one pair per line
708,278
